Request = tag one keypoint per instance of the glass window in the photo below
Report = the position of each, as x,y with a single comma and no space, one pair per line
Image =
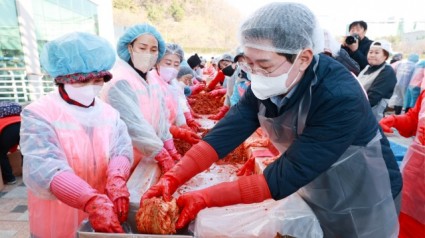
54,18
11,55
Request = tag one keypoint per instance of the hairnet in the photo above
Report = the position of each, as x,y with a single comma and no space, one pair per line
132,33
226,57
77,52
185,70
397,57
290,27
239,53
413,57
175,49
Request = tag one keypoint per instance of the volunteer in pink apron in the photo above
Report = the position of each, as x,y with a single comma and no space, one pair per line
333,153
142,106
164,75
412,213
77,150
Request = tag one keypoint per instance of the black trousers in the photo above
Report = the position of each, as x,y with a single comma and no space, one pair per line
9,137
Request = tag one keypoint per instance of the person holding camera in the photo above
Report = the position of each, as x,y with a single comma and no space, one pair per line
357,44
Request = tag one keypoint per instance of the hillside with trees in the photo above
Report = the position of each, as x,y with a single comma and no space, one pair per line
206,27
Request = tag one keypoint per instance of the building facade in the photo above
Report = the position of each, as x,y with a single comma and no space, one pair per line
25,26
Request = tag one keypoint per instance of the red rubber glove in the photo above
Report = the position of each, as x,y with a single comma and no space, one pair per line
218,92
191,122
102,216
220,114
219,77
172,151
386,123
165,161
77,193
184,134
116,187
197,88
200,157
247,189
405,124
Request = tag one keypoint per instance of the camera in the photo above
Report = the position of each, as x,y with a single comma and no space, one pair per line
351,39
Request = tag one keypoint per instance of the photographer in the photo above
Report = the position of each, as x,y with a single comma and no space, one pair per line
357,44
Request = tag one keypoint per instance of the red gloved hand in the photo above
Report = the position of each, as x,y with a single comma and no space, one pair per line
197,88
248,168
196,160
248,189
218,92
184,134
386,123
191,122
220,114
102,216
116,187
219,77
172,151
165,161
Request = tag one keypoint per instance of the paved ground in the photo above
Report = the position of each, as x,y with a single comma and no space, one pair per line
14,212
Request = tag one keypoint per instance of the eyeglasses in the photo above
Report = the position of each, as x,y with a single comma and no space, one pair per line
257,71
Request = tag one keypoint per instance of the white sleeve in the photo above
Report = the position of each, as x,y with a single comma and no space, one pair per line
142,134
44,157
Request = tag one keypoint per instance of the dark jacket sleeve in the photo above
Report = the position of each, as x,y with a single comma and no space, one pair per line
382,86
331,127
238,124
360,55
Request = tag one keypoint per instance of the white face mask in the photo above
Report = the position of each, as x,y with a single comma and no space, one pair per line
265,87
143,61
84,95
167,73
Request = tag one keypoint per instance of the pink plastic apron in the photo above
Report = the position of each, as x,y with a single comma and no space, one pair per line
87,155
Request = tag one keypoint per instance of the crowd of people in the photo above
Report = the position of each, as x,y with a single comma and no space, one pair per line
325,105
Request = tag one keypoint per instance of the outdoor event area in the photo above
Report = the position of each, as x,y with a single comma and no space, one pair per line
223,118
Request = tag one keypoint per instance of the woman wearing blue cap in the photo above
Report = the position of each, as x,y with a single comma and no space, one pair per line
77,150
141,105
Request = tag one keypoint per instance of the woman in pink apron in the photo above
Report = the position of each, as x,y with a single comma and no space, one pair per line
412,214
164,75
77,150
142,106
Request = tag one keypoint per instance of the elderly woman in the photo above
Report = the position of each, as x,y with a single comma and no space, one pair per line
378,78
142,106
77,150
316,114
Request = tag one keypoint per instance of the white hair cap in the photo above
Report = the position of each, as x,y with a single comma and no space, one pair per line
283,28
384,44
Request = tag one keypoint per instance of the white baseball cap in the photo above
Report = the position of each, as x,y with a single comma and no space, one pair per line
384,44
